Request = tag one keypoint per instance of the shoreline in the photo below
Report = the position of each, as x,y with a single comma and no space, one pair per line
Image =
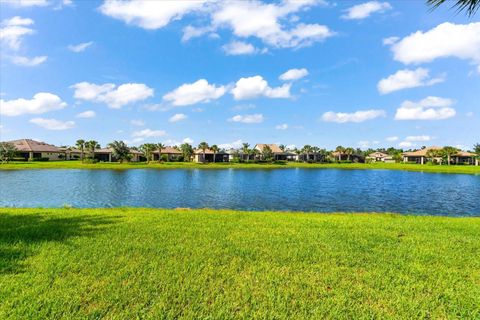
457,169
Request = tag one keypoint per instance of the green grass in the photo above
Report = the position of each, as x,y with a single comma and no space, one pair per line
191,165
158,264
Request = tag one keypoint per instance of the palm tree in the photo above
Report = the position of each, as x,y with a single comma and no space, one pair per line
349,151
470,5
160,146
282,147
203,146
147,149
449,151
214,149
340,150
433,153
80,144
298,152
307,149
187,151
267,152
91,146
245,150
120,150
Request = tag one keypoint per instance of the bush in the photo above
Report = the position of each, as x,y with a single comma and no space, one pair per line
90,160
41,159
164,157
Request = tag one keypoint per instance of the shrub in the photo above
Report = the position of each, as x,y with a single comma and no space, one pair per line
90,160
41,159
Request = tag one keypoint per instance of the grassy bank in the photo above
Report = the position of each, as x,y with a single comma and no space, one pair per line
192,165
147,263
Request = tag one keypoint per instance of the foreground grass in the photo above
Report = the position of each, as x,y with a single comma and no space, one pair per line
149,263
193,165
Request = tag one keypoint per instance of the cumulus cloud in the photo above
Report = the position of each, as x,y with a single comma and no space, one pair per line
390,40
358,116
188,140
26,3
13,31
392,139
86,114
149,133
422,138
149,14
405,144
248,118
80,47
177,117
40,103
191,93
282,126
445,40
404,79
364,10
430,108
28,62
231,145
138,122
53,124
236,48
252,87
293,74
108,93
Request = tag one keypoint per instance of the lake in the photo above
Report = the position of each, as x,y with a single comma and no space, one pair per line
294,189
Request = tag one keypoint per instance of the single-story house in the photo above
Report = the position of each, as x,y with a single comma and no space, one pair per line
106,155
29,149
420,156
379,157
348,157
465,157
277,153
220,156
238,153
172,153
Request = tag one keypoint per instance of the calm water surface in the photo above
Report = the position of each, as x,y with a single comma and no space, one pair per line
286,189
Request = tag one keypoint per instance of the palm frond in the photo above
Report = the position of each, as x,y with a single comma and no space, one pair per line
471,6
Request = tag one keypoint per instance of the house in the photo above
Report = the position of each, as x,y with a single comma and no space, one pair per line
171,153
421,156
72,153
277,153
106,155
208,156
341,156
29,149
379,157
465,157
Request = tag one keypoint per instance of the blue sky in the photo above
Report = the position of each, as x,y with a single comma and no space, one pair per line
362,74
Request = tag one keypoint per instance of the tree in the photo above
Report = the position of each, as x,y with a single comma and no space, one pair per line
348,151
307,149
147,149
471,6
267,152
282,147
476,148
434,153
80,145
448,151
203,146
187,151
7,151
214,149
340,150
160,146
91,146
246,150
120,150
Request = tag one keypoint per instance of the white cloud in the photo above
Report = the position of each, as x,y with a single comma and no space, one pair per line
422,138
365,144
390,40
188,140
190,32
26,3
293,74
149,133
191,93
282,126
13,30
86,114
264,21
364,10
248,118
430,108
138,123
445,40
40,103
177,117
252,87
80,47
114,97
405,144
236,48
404,79
53,124
150,14
392,139
28,62
358,116
231,145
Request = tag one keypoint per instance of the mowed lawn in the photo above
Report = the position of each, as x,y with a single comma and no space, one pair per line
149,263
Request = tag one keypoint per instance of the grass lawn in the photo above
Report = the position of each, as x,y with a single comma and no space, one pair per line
191,165
153,263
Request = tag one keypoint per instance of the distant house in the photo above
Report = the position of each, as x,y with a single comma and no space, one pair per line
277,153
106,155
220,156
465,157
29,149
238,153
346,157
172,153
420,156
379,157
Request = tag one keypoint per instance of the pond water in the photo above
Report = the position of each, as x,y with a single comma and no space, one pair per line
324,190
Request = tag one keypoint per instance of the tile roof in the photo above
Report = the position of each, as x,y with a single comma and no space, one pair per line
168,150
29,145
273,146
